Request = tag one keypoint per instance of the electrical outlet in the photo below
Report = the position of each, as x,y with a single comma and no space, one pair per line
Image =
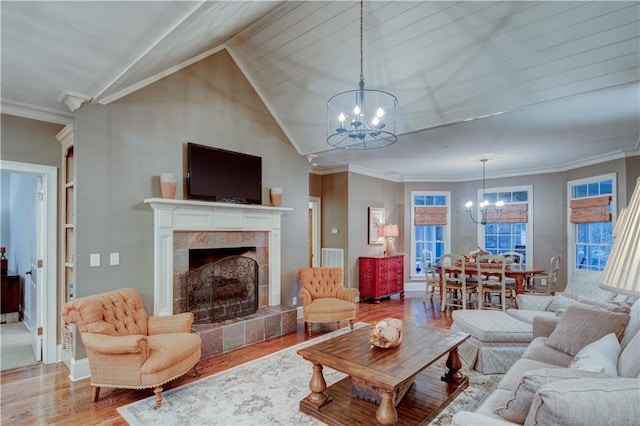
295,300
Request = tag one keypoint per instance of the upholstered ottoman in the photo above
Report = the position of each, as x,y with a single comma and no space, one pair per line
497,339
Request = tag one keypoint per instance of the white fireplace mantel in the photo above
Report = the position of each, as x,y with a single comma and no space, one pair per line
188,215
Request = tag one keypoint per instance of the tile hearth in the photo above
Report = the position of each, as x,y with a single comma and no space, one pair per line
225,336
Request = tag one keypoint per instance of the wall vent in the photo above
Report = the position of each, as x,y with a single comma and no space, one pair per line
332,258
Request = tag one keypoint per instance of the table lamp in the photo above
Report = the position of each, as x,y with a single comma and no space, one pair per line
622,271
389,232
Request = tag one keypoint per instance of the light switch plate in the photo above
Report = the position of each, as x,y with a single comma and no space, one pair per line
114,259
94,260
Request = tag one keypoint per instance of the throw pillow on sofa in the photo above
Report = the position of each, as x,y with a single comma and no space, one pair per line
515,407
583,324
600,356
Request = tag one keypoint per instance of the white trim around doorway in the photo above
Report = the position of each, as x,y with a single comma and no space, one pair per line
47,294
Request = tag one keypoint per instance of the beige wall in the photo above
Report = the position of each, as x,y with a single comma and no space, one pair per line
123,147
334,213
315,185
30,141
365,192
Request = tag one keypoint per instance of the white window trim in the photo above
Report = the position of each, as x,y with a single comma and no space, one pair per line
447,228
529,189
571,228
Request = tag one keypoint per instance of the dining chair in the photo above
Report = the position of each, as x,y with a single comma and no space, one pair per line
455,291
545,283
431,275
492,281
515,260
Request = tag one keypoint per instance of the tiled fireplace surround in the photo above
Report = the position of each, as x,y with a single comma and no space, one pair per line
180,225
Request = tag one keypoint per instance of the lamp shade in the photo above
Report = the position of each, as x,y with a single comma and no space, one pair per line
622,271
390,230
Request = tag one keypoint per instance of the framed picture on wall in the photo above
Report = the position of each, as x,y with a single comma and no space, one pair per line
376,220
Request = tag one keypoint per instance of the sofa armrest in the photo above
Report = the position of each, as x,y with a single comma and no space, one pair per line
115,345
305,296
179,323
467,418
532,302
348,294
543,326
614,401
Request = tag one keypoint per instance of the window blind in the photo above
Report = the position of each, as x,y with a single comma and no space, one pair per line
430,215
590,210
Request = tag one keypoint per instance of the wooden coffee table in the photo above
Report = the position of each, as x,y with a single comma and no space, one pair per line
403,385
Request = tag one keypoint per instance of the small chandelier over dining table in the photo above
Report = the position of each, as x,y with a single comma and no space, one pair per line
363,118
484,205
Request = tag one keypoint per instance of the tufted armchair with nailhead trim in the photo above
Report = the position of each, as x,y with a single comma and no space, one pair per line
129,349
324,297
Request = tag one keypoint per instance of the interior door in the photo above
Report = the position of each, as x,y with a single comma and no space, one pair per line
36,283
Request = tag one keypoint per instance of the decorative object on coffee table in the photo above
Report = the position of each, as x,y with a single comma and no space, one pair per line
386,333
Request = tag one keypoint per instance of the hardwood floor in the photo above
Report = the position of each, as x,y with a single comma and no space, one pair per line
43,394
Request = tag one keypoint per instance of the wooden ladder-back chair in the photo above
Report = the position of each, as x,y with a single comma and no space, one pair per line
545,283
431,275
455,290
492,281
129,349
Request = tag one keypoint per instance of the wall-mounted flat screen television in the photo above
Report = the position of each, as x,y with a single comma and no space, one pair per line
216,174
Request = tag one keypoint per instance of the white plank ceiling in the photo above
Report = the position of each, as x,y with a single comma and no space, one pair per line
533,86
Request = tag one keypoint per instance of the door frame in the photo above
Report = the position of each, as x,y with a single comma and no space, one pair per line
315,206
46,248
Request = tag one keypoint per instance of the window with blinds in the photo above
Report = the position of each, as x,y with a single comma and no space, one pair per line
430,220
591,210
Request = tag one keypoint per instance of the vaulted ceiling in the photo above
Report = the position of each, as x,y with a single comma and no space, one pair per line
532,86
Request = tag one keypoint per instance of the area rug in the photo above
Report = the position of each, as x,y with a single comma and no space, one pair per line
267,391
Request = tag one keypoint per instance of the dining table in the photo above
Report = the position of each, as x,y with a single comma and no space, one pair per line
518,272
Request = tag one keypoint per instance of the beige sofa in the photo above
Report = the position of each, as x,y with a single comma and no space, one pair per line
499,339
574,372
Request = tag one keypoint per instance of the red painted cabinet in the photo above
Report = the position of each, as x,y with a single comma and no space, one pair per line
381,276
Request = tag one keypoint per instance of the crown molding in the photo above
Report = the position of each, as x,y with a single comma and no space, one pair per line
72,100
33,112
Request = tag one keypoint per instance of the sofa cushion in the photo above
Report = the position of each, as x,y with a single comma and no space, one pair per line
584,282
516,405
629,360
583,324
600,356
527,315
609,306
560,303
597,401
633,327
518,369
539,351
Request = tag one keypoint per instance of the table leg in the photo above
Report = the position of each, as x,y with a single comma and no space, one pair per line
318,385
453,375
519,279
386,415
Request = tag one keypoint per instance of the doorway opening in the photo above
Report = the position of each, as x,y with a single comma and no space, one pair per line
39,272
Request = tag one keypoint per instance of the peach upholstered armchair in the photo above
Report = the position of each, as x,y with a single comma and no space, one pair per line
126,347
324,297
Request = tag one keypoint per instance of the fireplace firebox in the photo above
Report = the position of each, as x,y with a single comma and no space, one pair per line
224,289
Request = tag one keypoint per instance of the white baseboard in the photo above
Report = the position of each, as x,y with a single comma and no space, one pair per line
79,369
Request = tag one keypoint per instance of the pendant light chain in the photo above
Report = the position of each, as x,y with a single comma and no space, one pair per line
361,39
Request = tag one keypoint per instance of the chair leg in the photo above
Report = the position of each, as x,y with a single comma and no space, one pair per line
351,324
158,391
309,325
95,393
